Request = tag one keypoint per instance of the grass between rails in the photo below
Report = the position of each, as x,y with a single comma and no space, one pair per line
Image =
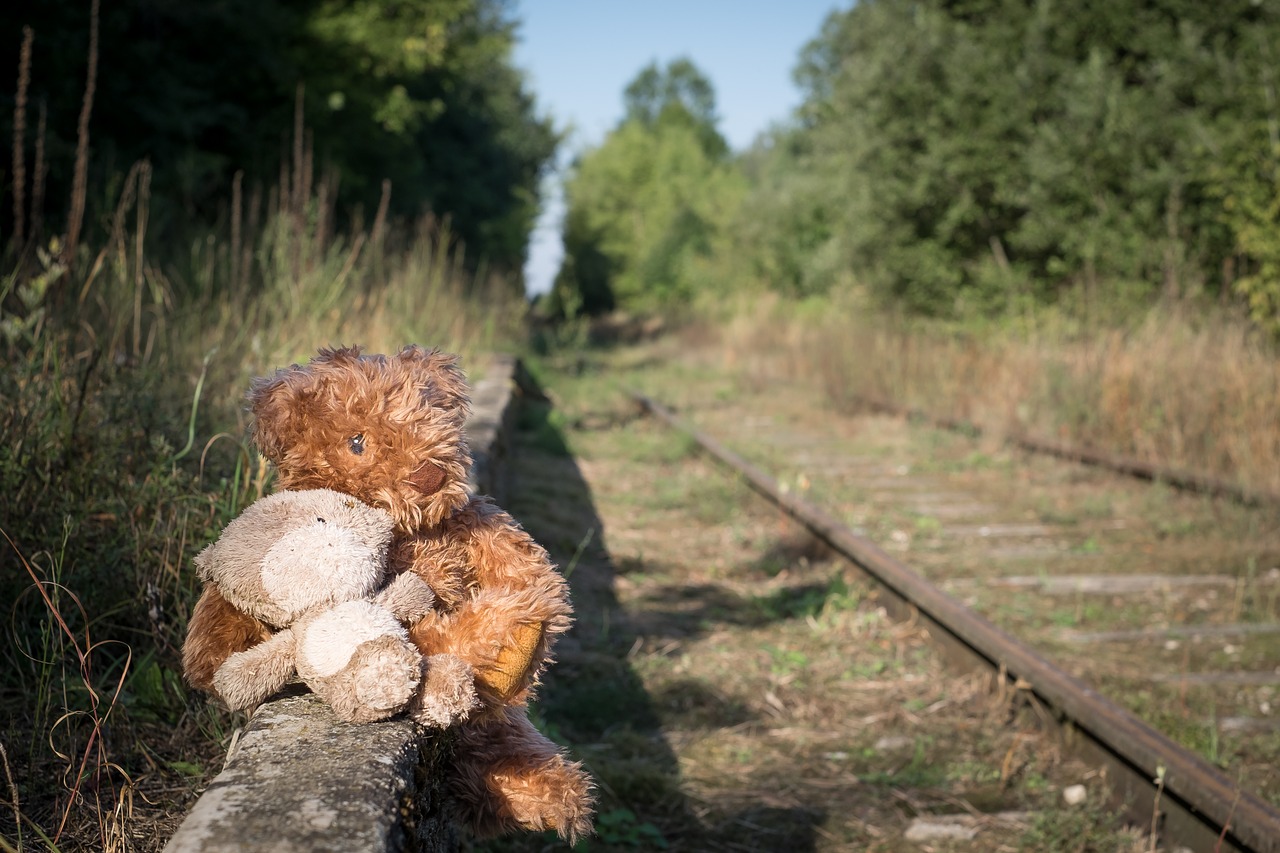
121,407
968,512
1180,386
732,688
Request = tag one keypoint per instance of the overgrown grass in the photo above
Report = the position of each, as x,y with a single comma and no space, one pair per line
1181,387
726,683
121,408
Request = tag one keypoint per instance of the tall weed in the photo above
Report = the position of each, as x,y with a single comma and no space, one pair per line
122,374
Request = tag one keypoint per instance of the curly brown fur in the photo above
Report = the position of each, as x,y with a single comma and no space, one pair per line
216,631
513,603
448,692
405,413
515,778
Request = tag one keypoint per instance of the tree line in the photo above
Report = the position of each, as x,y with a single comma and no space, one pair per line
420,93
958,158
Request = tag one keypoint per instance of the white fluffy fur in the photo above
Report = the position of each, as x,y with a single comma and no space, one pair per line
318,563
332,637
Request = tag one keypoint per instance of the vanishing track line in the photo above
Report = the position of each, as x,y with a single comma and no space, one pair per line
1191,481
1200,807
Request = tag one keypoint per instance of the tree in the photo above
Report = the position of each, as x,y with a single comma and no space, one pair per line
438,108
976,153
681,95
644,205
421,92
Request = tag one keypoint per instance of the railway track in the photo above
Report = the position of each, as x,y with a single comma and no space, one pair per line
1108,624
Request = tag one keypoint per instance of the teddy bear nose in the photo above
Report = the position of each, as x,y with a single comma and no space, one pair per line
428,479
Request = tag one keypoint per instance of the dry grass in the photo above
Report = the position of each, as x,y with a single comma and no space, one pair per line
20,138
80,180
1189,392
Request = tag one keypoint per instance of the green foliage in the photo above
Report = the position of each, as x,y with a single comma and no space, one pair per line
621,827
98,522
23,326
679,95
782,235
645,206
974,159
422,93
1250,193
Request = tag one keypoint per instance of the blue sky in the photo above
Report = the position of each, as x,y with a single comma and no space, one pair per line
579,56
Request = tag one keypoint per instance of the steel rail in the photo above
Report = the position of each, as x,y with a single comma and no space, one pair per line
1198,805
1190,481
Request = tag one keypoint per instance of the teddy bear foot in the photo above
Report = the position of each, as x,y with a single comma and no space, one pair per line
509,777
556,795
384,679
448,692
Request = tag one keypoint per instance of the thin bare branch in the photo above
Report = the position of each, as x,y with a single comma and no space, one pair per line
80,182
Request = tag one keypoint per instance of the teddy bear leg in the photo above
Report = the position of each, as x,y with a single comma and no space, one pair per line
379,680
447,694
509,776
216,631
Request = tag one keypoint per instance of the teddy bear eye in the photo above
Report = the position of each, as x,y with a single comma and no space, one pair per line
356,443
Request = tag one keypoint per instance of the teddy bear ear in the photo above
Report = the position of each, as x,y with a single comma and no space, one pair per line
201,560
278,404
442,371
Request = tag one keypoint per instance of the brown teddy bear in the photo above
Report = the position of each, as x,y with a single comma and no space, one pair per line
311,565
388,430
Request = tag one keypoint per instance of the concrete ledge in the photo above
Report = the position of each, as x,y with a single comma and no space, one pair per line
493,413
299,780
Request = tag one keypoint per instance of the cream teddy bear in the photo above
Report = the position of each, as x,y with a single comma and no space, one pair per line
311,567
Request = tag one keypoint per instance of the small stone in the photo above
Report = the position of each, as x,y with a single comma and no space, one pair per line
891,742
1074,795
923,829
1171,645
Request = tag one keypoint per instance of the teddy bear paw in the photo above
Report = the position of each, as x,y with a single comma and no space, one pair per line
448,692
385,682
232,684
408,598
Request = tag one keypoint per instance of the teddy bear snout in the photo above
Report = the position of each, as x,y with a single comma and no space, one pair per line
428,479
317,564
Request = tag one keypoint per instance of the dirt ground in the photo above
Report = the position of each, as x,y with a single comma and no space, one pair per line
732,687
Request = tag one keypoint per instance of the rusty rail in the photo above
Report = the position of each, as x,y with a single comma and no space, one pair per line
1199,806
1179,478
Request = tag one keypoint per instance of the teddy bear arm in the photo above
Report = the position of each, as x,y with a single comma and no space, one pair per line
215,632
506,560
520,604
516,664
491,634
408,597
249,677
